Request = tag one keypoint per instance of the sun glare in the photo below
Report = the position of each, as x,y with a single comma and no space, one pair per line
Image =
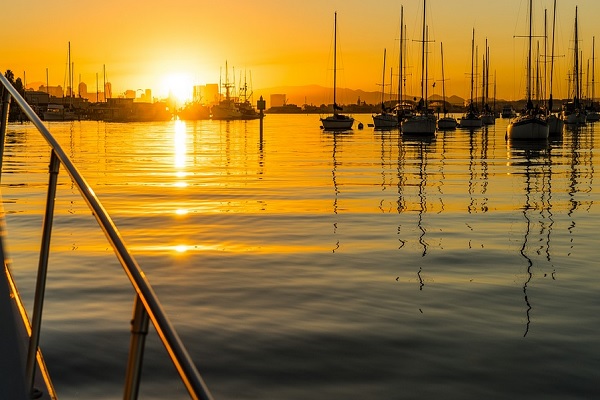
178,85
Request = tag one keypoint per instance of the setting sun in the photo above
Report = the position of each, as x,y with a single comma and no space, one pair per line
179,85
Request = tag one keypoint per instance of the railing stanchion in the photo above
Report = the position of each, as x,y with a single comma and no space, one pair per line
5,101
40,287
139,330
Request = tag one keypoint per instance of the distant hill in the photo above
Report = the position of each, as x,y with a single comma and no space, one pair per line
317,95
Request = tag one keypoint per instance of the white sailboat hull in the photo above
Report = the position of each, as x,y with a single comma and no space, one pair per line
337,122
224,111
471,122
593,116
527,128
555,125
446,123
59,113
419,125
382,121
488,119
575,118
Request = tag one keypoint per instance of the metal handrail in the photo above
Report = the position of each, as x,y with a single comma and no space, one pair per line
147,306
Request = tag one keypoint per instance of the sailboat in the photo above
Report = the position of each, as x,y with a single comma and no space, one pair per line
573,112
423,122
592,113
384,119
58,112
446,122
532,123
245,104
226,109
336,121
555,123
403,109
487,114
471,118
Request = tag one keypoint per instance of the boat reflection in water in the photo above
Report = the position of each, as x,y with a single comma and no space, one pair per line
373,250
532,161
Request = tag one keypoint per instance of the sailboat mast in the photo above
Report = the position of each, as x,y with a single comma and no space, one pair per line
487,72
423,84
104,82
443,79
576,61
494,102
593,66
472,64
69,63
334,61
552,59
483,79
529,56
383,82
400,75
545,66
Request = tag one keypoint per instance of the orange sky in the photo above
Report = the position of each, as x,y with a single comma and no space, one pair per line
156,44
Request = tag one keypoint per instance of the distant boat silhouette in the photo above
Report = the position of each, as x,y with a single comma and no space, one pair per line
532,124
336,121
423,121
447,122
226,109
384,119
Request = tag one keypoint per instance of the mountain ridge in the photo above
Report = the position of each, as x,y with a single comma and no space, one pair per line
317,95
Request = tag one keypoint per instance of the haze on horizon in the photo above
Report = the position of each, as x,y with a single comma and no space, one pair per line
278,43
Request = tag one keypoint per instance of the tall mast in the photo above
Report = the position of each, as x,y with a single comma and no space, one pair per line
70,77
423,83
484,91
545,53
593,66
334,61
552,59
383,82
587,78
400,55
472,63
104,82
487,72
476,74
494,102
529,57
537,71
443,79
576,61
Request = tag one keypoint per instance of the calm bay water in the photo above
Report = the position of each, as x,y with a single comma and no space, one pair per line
359,265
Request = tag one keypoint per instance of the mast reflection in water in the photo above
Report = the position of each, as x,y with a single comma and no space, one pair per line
303,264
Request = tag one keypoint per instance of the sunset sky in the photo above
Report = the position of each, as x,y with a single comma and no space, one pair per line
167,45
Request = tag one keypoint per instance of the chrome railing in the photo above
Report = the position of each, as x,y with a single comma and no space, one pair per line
146,305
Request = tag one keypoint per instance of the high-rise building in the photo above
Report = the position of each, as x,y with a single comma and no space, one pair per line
211,93
278,100
56,91
83,90
108,90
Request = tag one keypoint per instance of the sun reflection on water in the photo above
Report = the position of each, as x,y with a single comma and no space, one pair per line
180,152
182,248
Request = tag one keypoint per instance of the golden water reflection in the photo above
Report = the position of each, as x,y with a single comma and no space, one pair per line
180,152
